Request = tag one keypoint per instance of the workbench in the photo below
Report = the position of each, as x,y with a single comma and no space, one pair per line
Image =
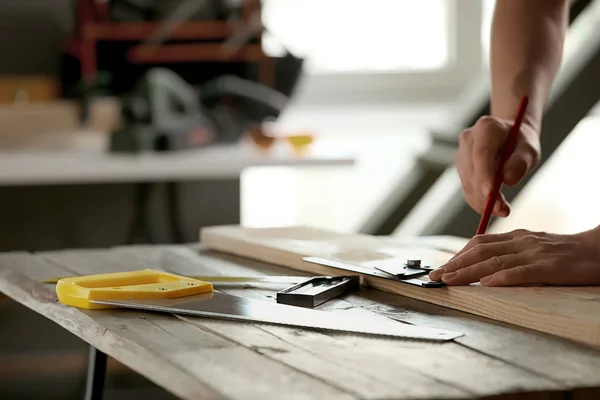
218,162
195,358
94,195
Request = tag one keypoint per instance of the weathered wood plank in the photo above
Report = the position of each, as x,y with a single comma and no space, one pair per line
31,294
335,364
571,364
560,312
449,363
347,373
339,363
246,360
191,363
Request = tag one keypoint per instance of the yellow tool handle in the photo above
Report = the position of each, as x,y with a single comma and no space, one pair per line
148,284
225,279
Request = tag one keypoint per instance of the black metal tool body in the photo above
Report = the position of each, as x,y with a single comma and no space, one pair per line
317,290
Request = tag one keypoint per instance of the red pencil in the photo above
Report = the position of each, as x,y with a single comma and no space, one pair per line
511,141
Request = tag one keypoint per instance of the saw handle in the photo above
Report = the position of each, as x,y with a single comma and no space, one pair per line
147,284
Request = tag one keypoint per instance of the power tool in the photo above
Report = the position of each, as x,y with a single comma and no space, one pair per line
165,113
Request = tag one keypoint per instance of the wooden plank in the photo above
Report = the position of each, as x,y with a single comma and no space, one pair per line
448,363
189,362
557,311
193,52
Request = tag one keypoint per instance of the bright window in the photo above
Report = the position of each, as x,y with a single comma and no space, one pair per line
378,51
357,36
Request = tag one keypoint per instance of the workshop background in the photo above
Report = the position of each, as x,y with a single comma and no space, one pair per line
341,114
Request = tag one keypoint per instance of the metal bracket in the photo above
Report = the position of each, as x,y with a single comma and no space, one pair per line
401,273
410,269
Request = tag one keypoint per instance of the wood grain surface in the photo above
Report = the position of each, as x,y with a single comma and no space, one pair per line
195,357
568,312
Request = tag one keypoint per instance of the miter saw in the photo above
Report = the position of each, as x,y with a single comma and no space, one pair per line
166,113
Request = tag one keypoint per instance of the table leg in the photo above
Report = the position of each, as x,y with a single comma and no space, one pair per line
173,205
140,231
94,386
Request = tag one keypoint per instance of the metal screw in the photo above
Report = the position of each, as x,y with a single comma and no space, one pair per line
413,263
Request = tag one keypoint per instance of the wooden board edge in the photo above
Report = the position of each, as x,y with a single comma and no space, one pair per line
211,238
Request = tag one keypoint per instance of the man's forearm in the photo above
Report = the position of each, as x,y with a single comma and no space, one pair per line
526,50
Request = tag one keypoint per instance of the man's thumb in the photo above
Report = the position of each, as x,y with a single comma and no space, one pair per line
517,165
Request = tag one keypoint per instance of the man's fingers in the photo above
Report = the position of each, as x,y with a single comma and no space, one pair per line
482,239
464,166
501,208
459,260
480,148
463,159
478,203
475,203
479,253
519,275
524,158
476,189
489,136
515,169
475,272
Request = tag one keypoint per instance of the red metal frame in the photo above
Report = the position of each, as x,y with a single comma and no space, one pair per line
93,24
87,13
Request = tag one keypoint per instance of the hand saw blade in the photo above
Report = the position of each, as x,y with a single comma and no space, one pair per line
229,307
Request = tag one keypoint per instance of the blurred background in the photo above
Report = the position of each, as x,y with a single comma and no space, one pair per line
141,121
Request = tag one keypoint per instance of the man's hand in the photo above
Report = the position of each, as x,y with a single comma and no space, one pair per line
523,257
479,152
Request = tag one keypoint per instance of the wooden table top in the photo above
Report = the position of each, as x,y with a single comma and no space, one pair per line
194,357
